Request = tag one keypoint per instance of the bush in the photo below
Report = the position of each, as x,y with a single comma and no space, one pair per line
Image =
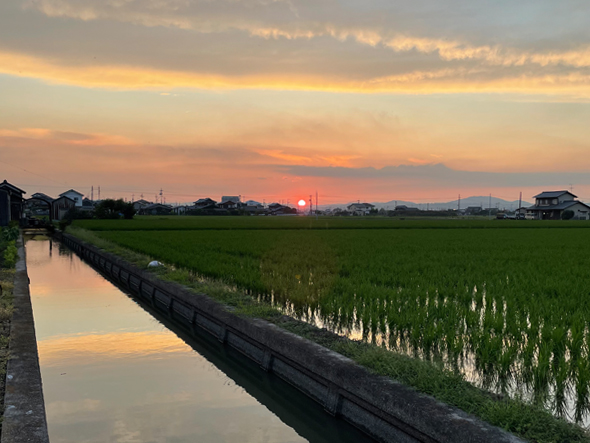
567,215
10,255
10,233
114,209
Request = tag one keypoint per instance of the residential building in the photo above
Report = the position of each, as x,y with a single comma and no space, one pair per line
73,195
60,207
11,203
233,198
140,204
229,204
205,203
360,208
550,205
156,209
406,208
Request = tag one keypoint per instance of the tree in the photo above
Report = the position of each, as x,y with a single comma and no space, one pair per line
113,209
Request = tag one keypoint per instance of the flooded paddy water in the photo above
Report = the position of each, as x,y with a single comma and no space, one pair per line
114,372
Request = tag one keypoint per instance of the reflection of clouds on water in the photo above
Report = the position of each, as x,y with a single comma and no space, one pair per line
111,372
90,349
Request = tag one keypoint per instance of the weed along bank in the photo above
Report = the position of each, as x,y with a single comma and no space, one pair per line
385,410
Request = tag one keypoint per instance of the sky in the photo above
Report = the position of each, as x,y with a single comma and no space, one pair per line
274,100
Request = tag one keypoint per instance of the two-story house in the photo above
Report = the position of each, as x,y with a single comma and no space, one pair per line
73,195
361,208
550,205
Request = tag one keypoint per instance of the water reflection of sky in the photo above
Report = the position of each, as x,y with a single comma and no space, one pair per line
112,373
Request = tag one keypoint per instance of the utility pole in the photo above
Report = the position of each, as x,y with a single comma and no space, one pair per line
99,192
459,204
490,208
92,193
310,205
132,198
161,199
520,200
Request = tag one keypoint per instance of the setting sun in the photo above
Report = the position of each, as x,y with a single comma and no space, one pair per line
301,203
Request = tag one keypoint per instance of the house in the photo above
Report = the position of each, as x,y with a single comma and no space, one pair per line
180,210
253,207
473,210
229,204
550,205
11,203
205,203
139,204
41,196
60,207
406,208
233,198
360,208
278,209
254,204
73,195
156,209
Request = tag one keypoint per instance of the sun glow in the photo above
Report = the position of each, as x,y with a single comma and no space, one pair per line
301,202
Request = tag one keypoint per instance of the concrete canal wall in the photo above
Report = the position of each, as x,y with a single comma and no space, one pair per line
24,408
384,409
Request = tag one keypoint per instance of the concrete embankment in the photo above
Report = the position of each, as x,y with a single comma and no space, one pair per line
384,409
24,409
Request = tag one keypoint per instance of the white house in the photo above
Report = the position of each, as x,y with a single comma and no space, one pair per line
360,208
551,205
140,204
73,195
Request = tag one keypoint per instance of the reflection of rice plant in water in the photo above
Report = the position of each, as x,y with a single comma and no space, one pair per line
505,307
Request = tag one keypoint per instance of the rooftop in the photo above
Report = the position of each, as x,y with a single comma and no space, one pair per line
553,194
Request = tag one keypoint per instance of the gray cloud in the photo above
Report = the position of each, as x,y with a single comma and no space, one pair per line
441,175
365,46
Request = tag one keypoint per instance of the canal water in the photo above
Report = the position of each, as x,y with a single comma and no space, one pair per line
114,372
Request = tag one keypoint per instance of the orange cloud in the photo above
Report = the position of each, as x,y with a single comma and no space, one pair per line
448,80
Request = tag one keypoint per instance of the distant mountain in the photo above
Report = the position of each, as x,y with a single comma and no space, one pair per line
478,201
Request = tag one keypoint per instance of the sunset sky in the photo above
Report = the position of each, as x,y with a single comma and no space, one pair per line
275,99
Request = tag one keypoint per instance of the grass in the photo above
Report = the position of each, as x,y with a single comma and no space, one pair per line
446,296
190,223
7,262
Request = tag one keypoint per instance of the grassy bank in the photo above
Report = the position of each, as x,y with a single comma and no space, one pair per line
8,256
530,421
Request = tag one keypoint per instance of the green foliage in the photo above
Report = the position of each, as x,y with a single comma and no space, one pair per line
567,215
9,233
10,255
114,209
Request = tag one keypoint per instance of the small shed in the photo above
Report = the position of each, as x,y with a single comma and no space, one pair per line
61,206
11,203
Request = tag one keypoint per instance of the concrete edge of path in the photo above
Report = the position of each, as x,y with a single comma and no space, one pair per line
24,417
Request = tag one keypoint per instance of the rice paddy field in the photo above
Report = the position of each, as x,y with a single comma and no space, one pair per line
504,303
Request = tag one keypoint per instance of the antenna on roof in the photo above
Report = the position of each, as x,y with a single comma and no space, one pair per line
99,192
571,188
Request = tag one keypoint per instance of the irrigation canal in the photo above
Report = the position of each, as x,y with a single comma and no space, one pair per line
114,371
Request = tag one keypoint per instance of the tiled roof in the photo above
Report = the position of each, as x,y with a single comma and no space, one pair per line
553,194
